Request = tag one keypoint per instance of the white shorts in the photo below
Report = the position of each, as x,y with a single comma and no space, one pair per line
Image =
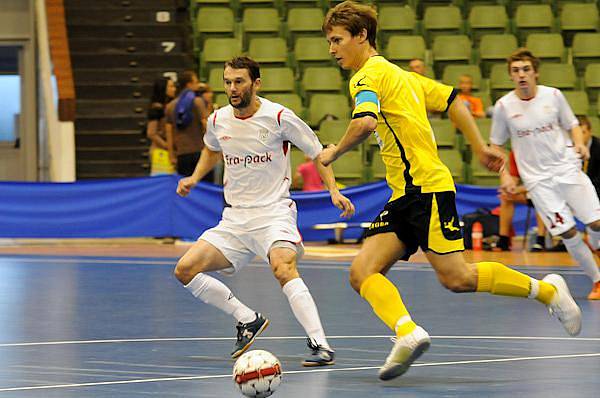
243,233
557,202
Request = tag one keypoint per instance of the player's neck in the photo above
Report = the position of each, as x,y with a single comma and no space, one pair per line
244,113
526,94
364,57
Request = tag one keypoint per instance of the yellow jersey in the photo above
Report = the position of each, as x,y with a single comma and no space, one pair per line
400,101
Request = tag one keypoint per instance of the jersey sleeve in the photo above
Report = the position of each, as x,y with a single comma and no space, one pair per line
365,93
294,129
500,132
566,117
210,138
438,96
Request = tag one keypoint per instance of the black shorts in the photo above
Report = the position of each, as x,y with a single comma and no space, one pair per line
428,220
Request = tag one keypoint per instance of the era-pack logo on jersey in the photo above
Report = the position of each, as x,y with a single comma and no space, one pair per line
225,138
248,159
263,135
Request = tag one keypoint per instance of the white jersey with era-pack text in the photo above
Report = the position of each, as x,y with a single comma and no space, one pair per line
256,152
539,132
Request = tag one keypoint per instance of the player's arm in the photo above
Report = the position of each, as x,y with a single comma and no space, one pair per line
202,112
208,160
170,143
295,130
462,118
364,122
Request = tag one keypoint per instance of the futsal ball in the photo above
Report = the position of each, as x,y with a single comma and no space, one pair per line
257,373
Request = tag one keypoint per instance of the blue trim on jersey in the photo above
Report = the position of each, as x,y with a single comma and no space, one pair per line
366,96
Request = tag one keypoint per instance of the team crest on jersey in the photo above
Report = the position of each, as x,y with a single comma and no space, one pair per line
263,135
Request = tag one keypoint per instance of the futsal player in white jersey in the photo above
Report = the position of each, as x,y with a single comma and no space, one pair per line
549,147
252,135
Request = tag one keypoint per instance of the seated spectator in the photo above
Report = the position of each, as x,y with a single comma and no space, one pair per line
163,91
474,104
417,65
207,95
507,211
309,175
591,166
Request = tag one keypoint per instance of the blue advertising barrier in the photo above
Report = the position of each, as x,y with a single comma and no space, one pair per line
149,206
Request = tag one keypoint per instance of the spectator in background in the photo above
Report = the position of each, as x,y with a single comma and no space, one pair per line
186,119
417,65
163,91
591,166
507,211
309,175
207,95
473,104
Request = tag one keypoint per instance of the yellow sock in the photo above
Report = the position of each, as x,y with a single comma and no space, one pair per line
496,278
387,304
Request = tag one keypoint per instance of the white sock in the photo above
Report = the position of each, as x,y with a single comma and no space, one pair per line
583,255
305,310
593,238
212,291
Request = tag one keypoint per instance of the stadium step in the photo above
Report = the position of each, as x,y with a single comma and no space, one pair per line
135,4
113,166
128,46
110,122
117,108
155,31
173,62
122,16
109,138
116,153
113,91
120,76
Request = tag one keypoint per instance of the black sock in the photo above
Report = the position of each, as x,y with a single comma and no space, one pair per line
541,240
503,242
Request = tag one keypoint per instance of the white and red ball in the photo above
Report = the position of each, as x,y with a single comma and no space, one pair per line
257,373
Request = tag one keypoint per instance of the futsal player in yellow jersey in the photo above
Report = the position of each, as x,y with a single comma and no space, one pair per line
392,104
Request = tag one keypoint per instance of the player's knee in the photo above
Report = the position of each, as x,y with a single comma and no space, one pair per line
569,234
458,282
594,226
186,270
357,276
284,270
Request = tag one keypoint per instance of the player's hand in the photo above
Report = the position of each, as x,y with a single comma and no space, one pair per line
583,151
491,158
185,185
328,155
508,186
342,203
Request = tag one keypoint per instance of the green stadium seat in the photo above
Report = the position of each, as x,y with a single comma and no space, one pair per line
485,127
401,49
592,81
444,20
349,168
289,4
500,81
579,102
453,160
533,18
487,19
331,131
548,47
586,50
260,22
578,17
323,105
561,76
218,50
453,72
277,80
311,51
221,100
322,79
296,159
291,101
444,132
207,3
304,22
494,49
213,22
450,49
395,20
268,50
215,80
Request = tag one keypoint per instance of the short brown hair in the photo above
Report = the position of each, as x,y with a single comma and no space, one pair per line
523,54
583,120
245,63
354,18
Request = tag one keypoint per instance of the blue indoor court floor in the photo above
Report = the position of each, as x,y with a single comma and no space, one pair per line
123,327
